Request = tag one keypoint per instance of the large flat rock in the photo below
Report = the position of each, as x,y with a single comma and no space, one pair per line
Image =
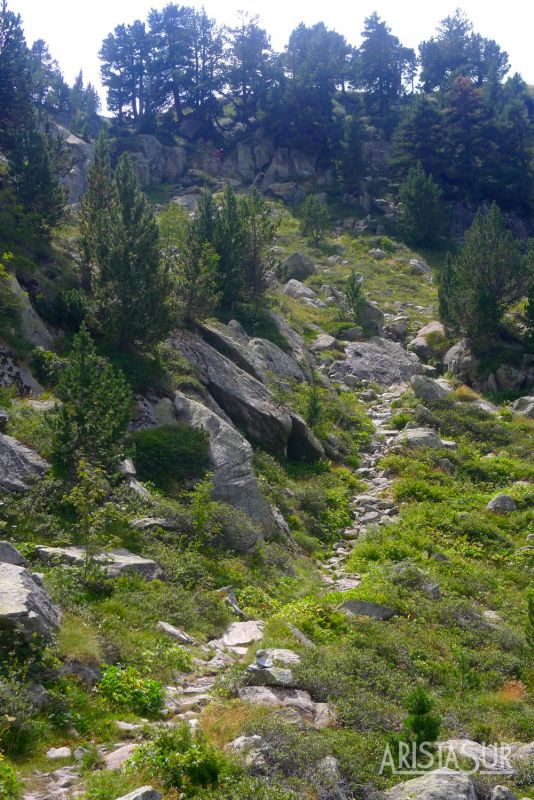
438,785
378,361
115,562
19,465
243,633
24,604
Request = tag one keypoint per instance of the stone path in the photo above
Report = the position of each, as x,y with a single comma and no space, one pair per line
186,700
371,508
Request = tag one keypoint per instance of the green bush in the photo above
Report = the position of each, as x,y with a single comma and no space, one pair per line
180,760
171,454
8,782
125,688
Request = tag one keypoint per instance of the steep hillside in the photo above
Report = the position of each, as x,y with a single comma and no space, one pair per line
340,523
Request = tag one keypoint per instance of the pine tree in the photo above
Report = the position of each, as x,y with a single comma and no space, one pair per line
421,725
92,419
133,284
260,227
229,240
448,294
487,277
15,78
192,263
97,212
421,213
354,296
36,184
352,160
314,219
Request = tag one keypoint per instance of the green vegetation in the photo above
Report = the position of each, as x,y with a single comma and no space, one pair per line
127,689
93,415
169,455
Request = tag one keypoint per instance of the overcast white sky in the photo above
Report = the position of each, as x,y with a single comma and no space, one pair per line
74,30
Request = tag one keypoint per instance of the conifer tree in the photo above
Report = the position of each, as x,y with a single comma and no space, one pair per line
92,420
98,209
314,218
420,212
354,296
421,725
229,239
487,277
260,227
36,184
133,286
121,263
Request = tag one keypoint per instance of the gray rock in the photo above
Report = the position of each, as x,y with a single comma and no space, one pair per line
242,633
143,793
270,360
14,373
502,793
24,604
10,555
270,676
81,154
146,523
486,757
377,253
246,401
119,756
412,576
301,638
234,481
524,407
249,750
278,655
55,753
461,362
298,290
378,360
19,465
115,562
323,341
419,267
422,437
421,345
371,318
397,328
510,379
437,785
294,341
299,266
502,504
303,445
363,608
428,389
32,326
4,419
175,633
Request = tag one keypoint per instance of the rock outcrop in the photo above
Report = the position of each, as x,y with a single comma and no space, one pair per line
423,437
424,342
438,785
24,604
19,465
299,266
114,562
81,154
13,373
524,407
153,162
428,389
234,481
247,402
377,361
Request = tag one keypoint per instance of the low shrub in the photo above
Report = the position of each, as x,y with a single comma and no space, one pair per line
8,782
180,760
126,688
171,454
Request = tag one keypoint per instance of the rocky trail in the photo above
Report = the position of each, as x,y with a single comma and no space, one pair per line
373,507
270,681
